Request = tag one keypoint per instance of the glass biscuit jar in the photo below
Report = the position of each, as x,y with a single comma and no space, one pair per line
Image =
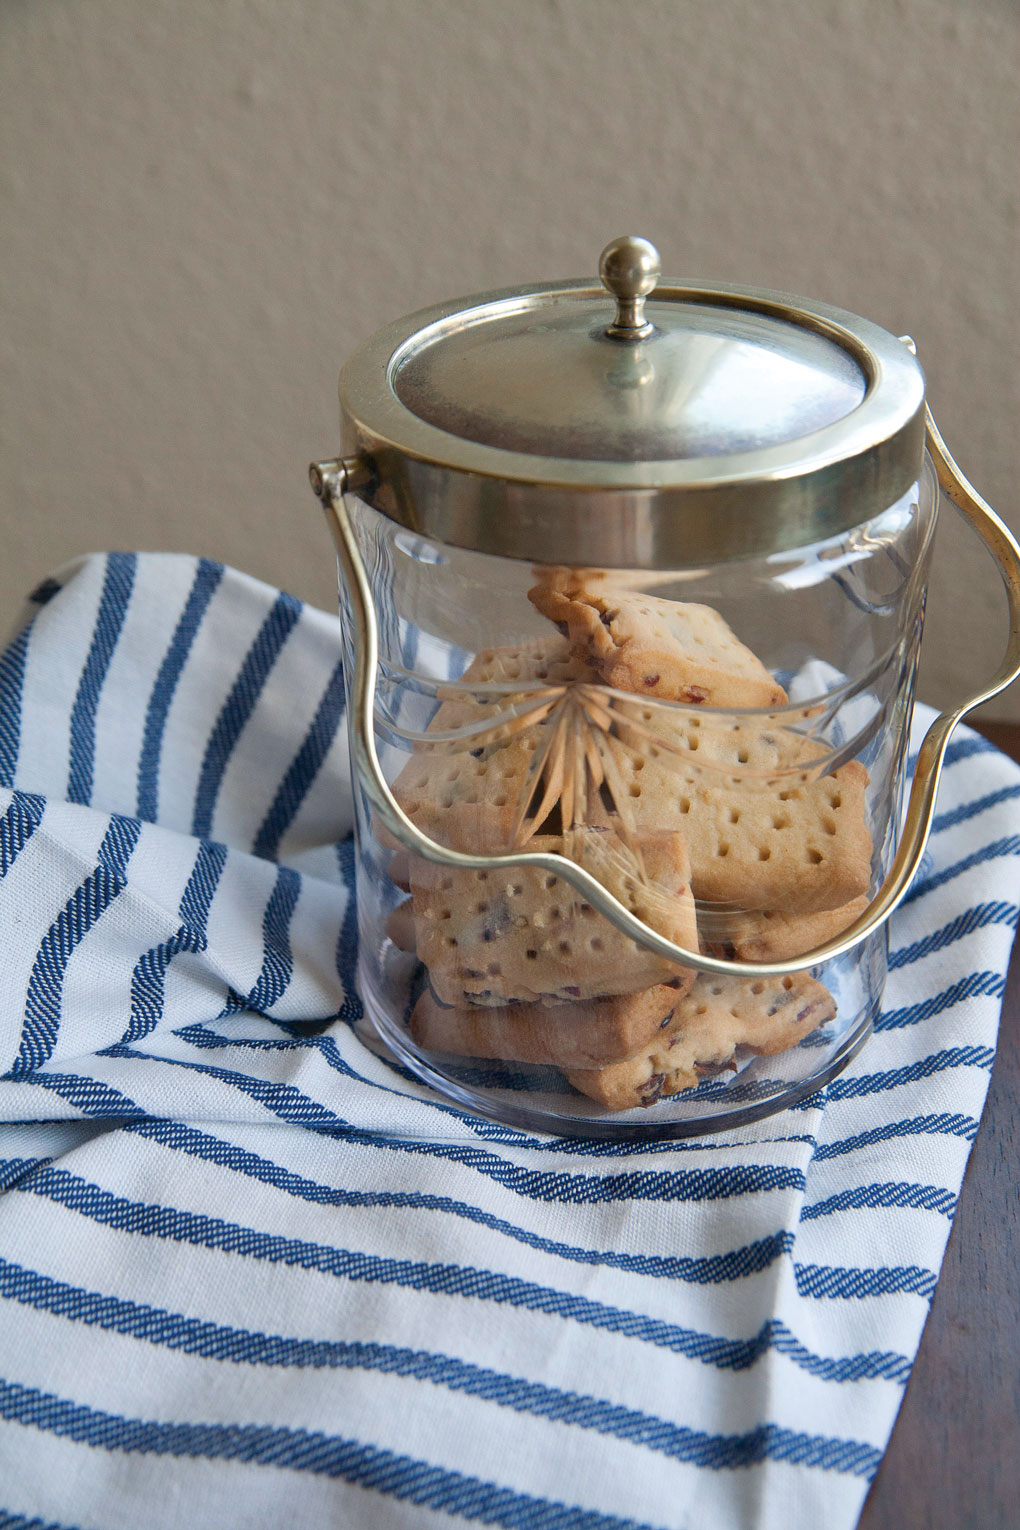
632,588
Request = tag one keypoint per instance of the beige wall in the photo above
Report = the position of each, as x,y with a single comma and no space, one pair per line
204,204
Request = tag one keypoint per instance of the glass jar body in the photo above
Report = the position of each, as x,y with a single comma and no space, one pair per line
723,747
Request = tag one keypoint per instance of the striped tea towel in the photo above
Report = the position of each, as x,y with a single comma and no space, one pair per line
253,1276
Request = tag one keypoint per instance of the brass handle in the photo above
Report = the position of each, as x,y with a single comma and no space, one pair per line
331,480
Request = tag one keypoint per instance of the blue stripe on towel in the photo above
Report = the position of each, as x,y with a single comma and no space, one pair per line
198,895
11,1521
117,587
719,1352
278,961
13,1169
925,1067
282,1038
968,810
826,1281
943,1124
303,769
238,707
239,1346
100,1100
201,1231
83,909
118,843
12,681
966,748
406,1478
1009,844
455,1280
207,579
302,1450
352,1009
148,980
899,1193
20,821
553,1188
561,1187
961,925
212,1150
974,984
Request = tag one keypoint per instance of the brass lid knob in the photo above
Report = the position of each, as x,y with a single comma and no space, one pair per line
629,268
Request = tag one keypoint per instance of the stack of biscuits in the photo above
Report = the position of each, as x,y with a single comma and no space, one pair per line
716,827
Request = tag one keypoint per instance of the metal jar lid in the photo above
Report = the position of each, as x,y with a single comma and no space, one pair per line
692,425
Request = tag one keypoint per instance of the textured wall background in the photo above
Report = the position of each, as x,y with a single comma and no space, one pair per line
205,204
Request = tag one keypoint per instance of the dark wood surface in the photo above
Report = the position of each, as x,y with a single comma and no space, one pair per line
953,1462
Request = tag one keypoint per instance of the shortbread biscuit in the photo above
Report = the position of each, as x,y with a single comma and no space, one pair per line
721,749
764,828
524,935
500,730
673,650
769,936
562,1035
717,1016
799,849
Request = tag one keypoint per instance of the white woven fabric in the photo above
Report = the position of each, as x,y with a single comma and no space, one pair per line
250,1275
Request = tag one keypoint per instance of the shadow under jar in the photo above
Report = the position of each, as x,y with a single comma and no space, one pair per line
631,606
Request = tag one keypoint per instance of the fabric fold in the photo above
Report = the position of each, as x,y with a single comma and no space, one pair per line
254,1271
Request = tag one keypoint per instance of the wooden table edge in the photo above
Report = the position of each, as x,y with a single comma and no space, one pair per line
953,1461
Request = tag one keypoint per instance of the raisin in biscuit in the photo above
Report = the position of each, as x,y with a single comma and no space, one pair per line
673,650
769,936
568,1035
525,935
717,1016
